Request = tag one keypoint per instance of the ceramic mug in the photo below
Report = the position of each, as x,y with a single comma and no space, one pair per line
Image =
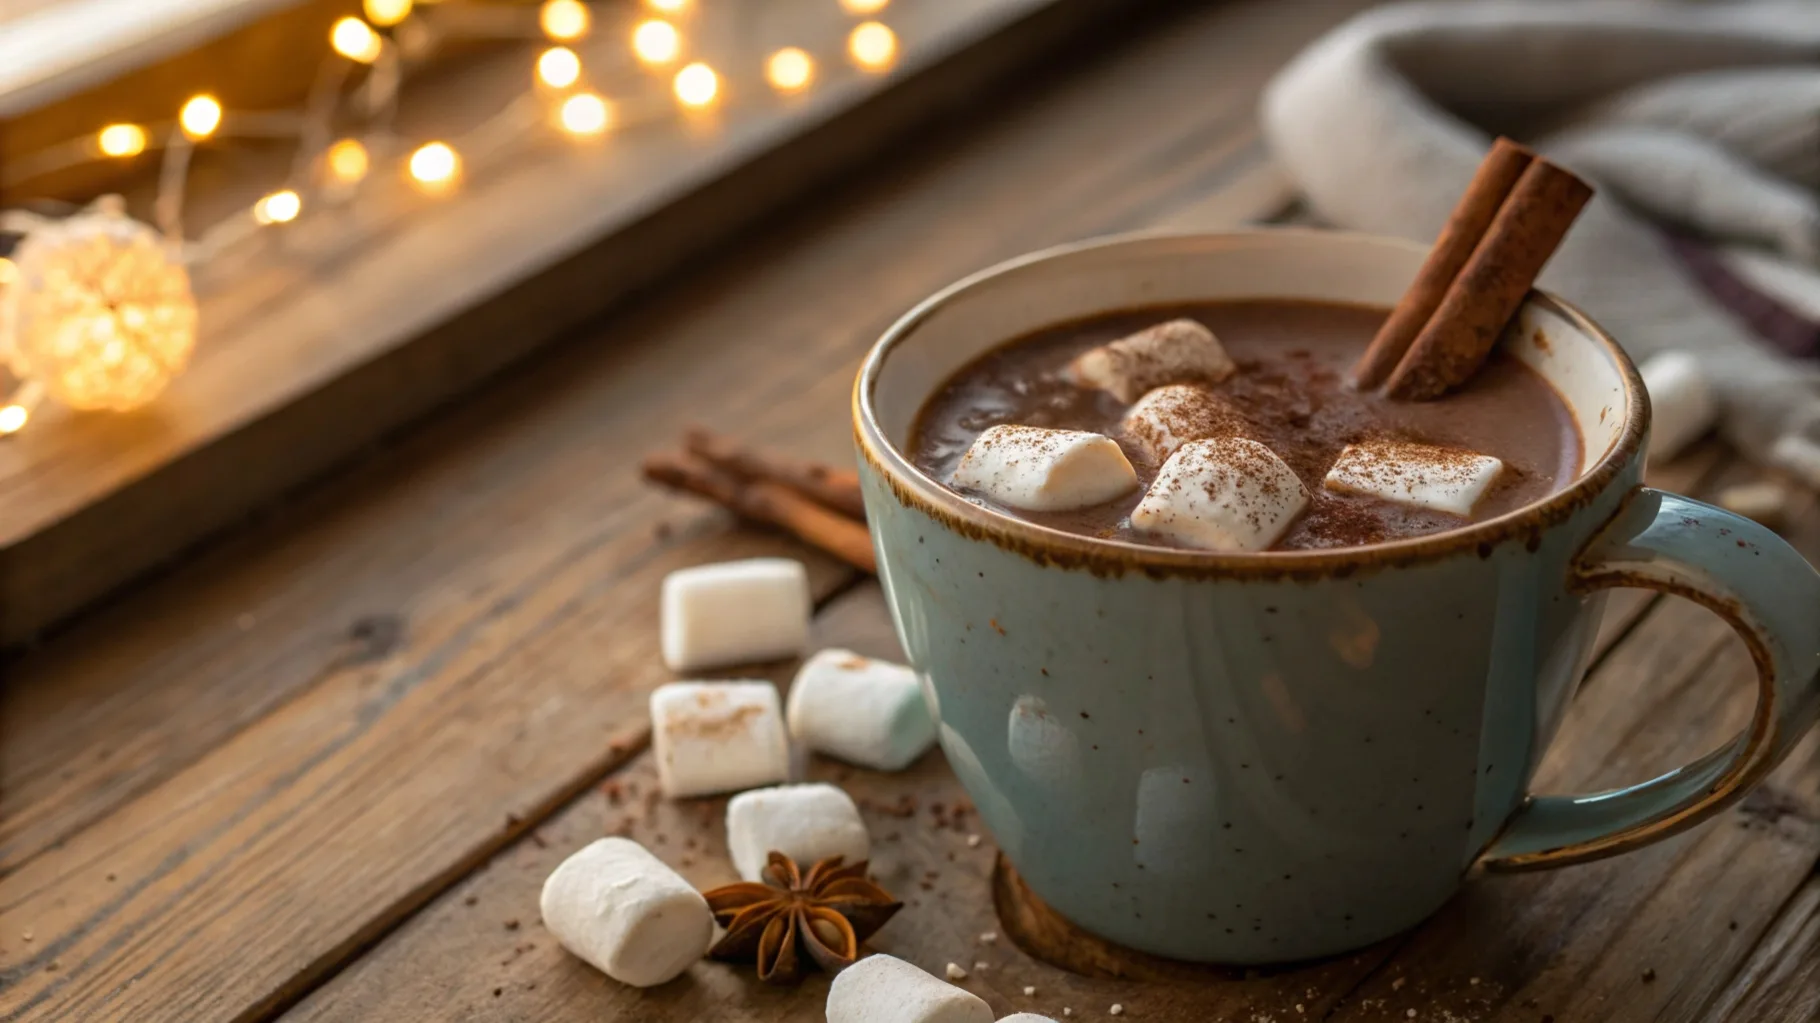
1248,758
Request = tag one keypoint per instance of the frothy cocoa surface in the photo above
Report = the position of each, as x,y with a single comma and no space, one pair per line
1290,390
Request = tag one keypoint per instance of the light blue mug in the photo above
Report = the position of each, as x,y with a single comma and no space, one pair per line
1267,757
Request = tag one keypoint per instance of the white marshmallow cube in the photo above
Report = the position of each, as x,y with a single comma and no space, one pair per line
619,908
1168,353
804,822
735,612
884,989
1682,404
1168,417
1439,479
1035,469
861,710
1222,494
713,737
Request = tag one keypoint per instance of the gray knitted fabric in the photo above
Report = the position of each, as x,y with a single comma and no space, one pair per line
1702,117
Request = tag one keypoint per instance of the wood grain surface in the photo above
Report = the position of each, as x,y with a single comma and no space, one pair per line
357,320
321,771
1657,934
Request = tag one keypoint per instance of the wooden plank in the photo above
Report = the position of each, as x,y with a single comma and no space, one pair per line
462,958
480,953
93,718
1653,934
351,761
1781,980
350,328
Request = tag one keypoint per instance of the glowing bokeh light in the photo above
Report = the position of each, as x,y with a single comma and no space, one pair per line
121,140
872,46
789,70
697,85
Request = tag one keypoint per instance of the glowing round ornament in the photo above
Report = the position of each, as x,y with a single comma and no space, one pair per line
100,310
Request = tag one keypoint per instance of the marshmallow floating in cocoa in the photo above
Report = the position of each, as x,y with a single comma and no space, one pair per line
619,908
862,710
1439,479
1170,416
1026,1017
1681,402
734,612
885,989
1035,469
1174,352
1222,494
713,737
807,823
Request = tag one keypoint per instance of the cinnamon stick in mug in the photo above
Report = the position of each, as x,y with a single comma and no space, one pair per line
1471,218
1492,285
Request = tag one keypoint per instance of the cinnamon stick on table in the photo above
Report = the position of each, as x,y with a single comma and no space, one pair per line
767,502
836,488
1456,337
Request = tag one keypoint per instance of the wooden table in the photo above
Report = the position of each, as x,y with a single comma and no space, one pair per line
319,772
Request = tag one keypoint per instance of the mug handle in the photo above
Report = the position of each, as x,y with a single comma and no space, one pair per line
1760,585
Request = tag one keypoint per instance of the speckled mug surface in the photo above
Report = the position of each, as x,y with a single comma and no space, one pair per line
1249,758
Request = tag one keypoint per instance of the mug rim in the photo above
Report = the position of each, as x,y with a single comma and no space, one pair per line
1049,546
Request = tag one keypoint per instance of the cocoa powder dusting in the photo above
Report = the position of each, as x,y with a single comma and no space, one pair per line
1289,394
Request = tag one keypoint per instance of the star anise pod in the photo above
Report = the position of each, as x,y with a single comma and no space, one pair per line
826,913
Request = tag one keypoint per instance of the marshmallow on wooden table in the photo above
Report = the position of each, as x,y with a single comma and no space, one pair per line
1682,405
1222,494
1035,469
804,822
622,910
1439,479
1168,353
718,737
861,710
883,989
735,612
1168,417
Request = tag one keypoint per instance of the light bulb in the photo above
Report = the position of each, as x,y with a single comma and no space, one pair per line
668,6
872,45
355,40
864,6
278,208
347,161
200,116
559,67
108,318
586,114
697,85
435,164
13,417
385,13
789,70
564,19
656,41
121,140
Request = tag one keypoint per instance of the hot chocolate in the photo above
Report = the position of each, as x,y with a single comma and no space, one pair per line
1241,436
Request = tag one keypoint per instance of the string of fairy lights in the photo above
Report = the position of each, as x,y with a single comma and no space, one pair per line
96,308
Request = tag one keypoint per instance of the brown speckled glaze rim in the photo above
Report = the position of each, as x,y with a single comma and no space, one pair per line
1046,546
